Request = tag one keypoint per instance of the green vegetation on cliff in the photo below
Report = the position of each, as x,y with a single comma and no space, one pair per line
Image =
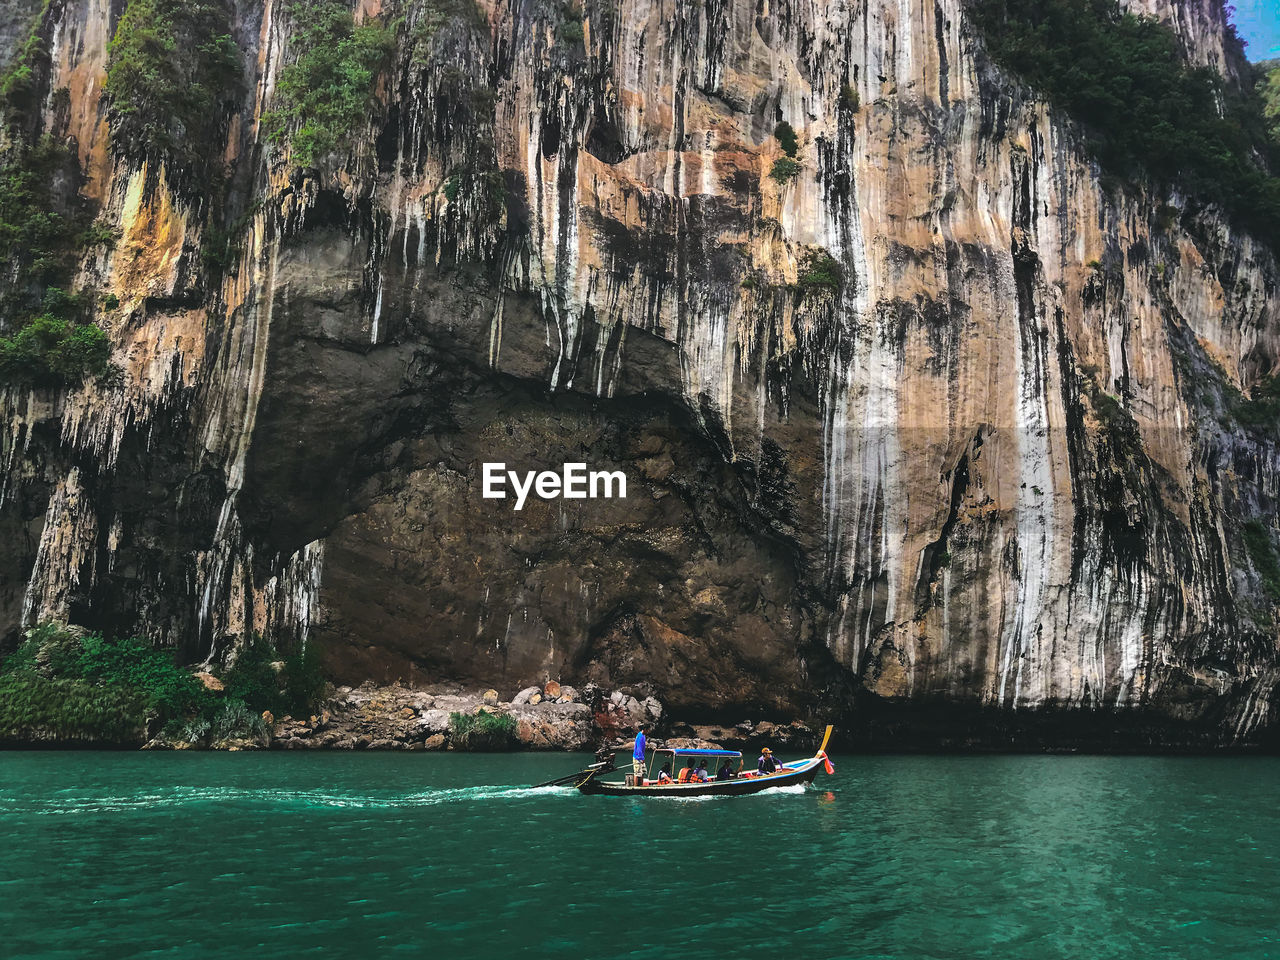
1125,79
48,339
1262,409
19,85
327,93
71,686
1262,554
173,75
1269,91
51,351
820,272
786,135
37,241
784,170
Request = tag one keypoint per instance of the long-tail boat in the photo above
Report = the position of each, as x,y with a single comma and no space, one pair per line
682,783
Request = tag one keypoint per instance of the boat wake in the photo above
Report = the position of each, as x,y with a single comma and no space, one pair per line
264,798
71,805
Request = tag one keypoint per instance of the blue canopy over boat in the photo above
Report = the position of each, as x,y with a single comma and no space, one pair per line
691,752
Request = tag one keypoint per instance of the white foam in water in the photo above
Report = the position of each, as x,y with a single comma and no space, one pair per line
183,796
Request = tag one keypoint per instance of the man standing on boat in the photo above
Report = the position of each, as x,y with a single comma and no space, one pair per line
637,755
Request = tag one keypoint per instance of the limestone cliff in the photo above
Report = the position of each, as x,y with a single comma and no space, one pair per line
938,427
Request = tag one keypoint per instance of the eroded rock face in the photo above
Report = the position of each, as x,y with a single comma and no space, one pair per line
992,465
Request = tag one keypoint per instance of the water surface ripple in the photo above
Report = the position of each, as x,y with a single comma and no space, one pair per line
367,855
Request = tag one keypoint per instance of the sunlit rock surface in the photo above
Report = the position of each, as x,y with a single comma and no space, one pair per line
991,475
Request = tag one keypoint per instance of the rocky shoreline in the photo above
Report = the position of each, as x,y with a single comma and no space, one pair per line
550,718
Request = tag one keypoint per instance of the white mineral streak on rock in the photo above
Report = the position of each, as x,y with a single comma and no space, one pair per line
1022,636
113,541
66,559
23,411
290,600
377,313
229,431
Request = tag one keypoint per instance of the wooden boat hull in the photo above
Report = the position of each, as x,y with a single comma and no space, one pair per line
800,773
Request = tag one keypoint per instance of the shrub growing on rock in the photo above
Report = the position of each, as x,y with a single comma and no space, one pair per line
1262,409
820,272
428,16
786,135
50,342
193,731
235,719
35,708
48,351
571,31
265,679
785,170
482,731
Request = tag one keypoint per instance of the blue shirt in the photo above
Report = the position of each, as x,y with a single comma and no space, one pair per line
638,753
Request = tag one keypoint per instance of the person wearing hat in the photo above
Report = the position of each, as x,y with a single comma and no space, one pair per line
766,764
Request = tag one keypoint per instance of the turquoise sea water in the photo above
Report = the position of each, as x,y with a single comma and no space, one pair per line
430,855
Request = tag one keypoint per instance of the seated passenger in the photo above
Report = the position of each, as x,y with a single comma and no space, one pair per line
767,764
664,775
700,774
726,771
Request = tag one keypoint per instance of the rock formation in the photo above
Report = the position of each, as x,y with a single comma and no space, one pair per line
936,427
